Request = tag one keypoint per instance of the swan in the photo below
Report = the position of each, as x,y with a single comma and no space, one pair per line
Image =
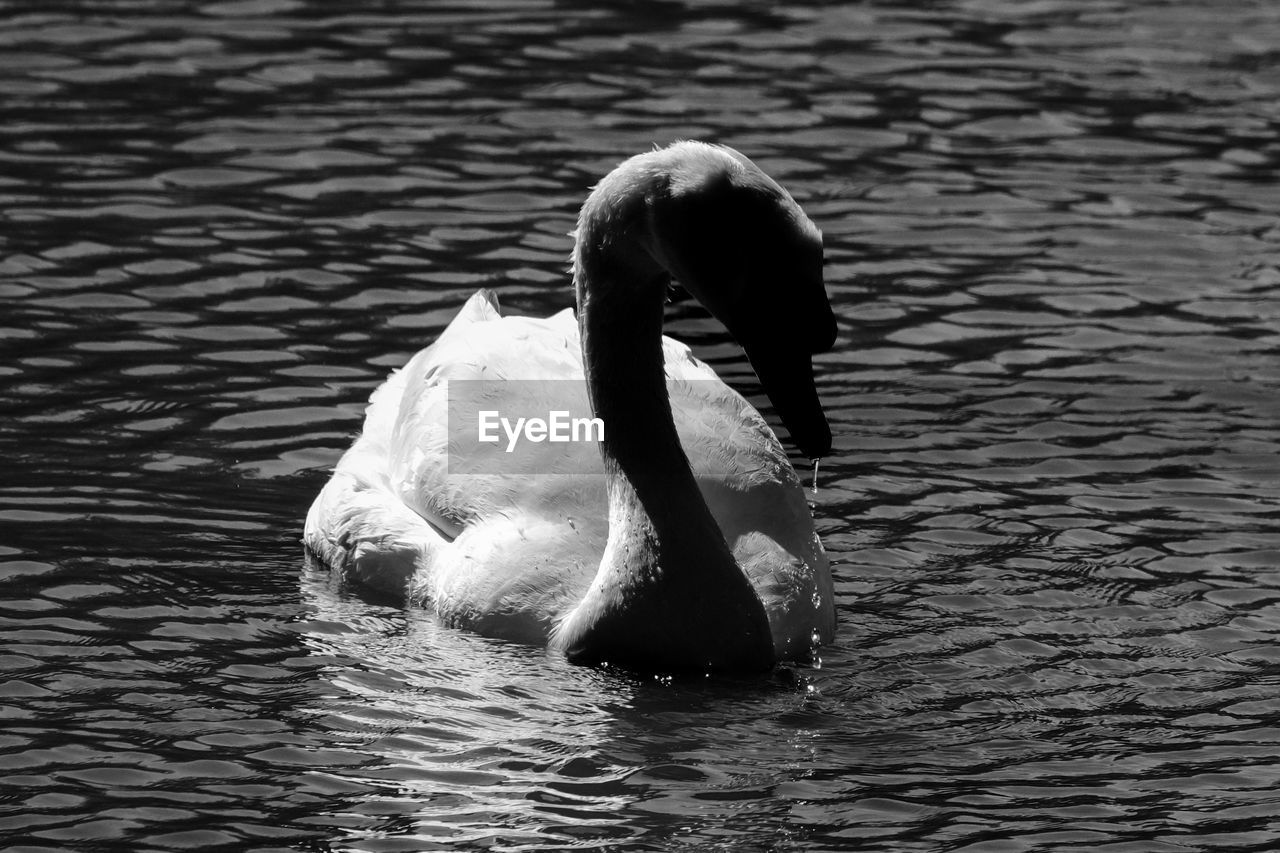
693,547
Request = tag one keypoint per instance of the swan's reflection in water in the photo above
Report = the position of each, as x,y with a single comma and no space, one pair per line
471,733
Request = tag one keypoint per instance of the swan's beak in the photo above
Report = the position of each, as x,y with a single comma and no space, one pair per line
787,376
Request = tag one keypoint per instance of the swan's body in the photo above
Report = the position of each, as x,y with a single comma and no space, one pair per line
653,560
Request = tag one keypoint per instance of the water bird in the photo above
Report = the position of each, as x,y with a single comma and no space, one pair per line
693,547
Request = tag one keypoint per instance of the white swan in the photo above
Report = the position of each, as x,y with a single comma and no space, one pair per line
653,564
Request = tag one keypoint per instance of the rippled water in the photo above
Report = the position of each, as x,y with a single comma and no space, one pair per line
1055,517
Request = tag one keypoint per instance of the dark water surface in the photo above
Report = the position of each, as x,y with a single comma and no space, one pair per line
1055,517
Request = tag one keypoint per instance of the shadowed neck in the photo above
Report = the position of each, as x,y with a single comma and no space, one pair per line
669,591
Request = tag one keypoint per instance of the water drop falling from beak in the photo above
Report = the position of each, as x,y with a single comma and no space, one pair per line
815,475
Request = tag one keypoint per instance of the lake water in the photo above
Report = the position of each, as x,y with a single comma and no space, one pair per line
1054,515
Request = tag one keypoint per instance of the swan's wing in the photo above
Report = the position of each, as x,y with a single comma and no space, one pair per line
385,403
518,541
507,365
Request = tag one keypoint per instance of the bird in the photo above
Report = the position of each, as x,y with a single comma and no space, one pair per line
678,539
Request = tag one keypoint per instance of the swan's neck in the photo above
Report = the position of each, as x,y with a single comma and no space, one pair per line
668,594
644,462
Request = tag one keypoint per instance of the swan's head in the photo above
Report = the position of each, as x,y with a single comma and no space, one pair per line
742,246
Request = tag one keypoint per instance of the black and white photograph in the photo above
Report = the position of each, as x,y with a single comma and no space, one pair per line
663,425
